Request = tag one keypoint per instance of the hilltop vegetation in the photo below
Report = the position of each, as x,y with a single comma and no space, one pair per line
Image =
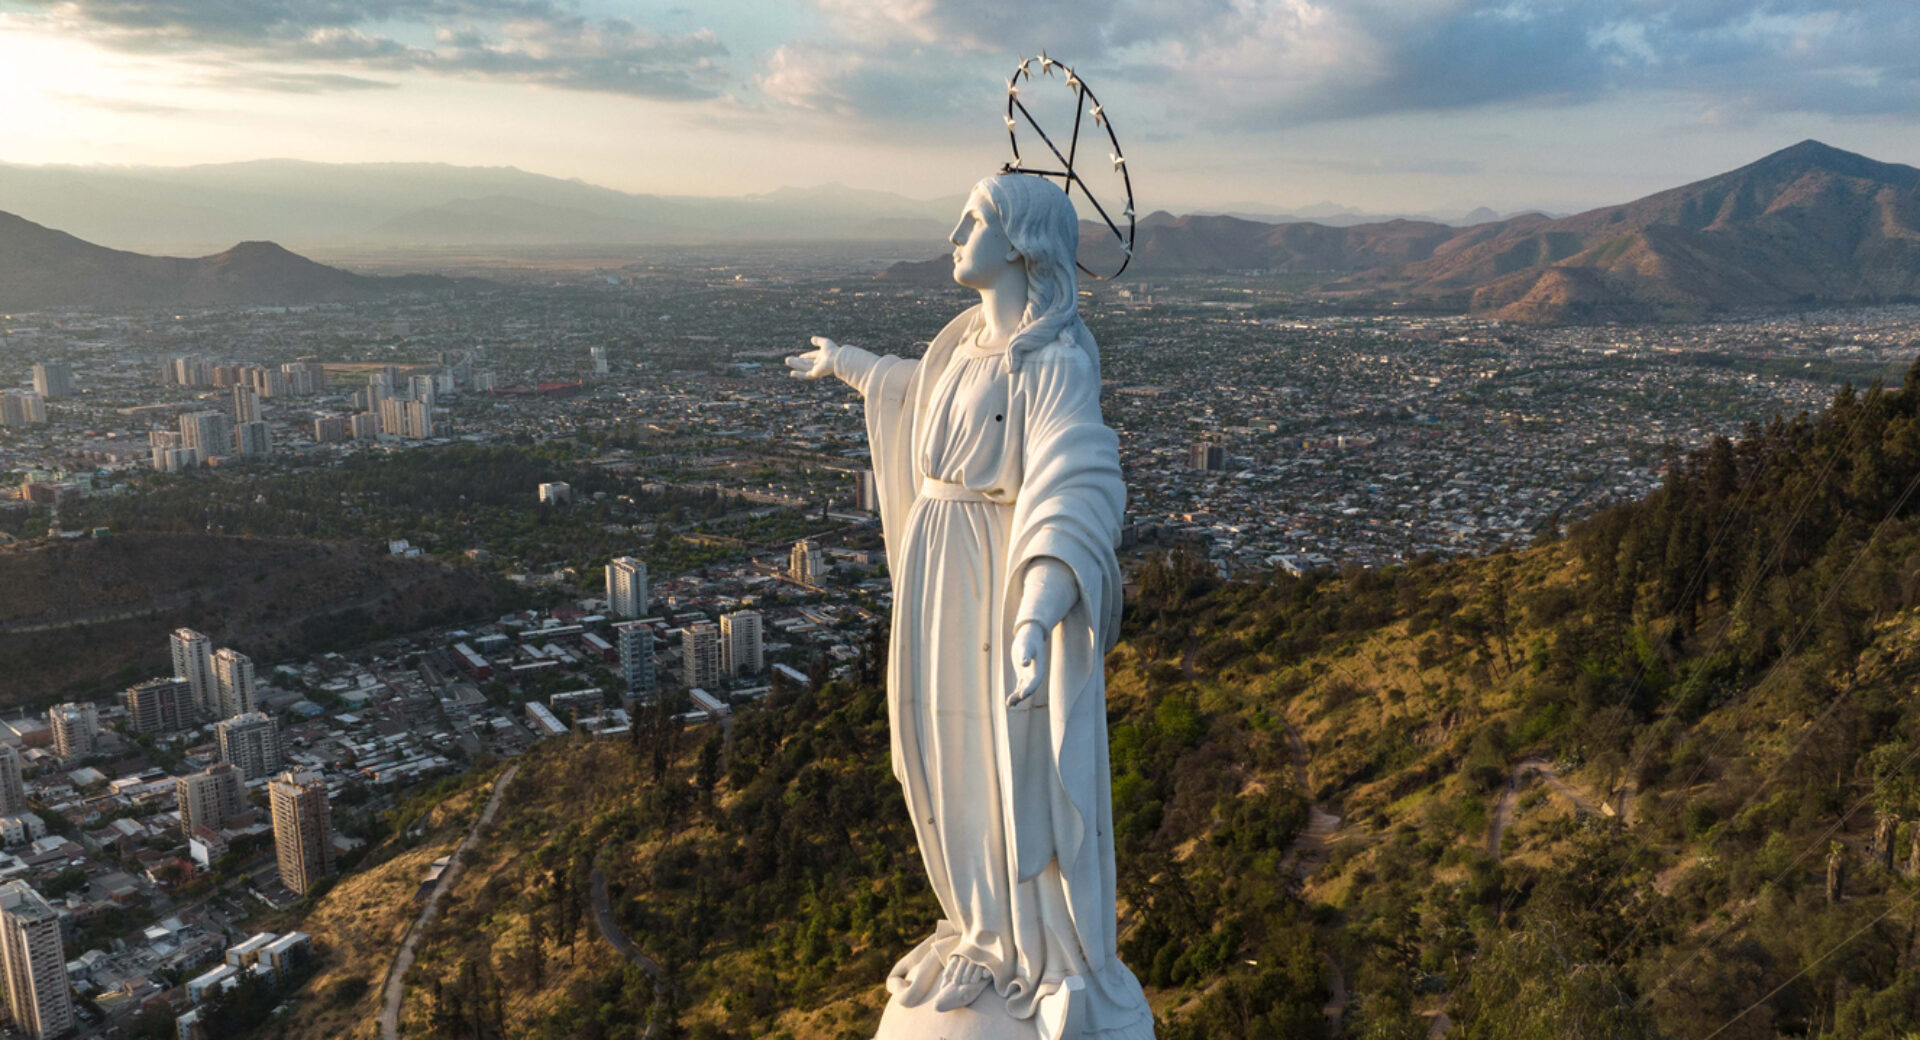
84,618
1654,779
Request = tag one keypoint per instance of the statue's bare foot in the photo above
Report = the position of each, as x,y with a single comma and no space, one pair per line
961,983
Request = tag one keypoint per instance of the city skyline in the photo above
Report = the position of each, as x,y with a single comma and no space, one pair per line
1277,105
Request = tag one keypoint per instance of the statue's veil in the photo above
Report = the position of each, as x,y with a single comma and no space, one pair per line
1040,222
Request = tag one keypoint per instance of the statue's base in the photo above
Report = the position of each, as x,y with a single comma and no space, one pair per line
1058,1018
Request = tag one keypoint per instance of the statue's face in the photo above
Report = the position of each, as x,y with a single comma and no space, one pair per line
982,253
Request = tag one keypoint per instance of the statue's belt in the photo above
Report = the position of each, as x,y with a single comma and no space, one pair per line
948,491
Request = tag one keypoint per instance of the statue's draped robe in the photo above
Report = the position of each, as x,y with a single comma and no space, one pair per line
983,467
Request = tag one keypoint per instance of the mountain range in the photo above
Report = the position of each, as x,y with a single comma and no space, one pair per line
41,267
309,206
1809,225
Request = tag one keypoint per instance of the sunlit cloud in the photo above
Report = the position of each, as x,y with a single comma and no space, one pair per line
534,42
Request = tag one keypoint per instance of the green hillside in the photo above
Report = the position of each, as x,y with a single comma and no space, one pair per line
85,618
1655,779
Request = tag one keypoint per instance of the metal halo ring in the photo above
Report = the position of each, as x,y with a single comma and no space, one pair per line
1070,176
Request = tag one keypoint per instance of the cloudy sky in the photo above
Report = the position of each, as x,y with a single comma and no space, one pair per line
1412,105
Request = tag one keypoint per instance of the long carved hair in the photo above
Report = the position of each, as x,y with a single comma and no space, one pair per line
1043,228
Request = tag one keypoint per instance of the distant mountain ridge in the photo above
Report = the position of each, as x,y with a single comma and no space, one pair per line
313,205
309,205
1808,225
42,267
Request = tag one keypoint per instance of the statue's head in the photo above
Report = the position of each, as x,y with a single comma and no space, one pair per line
1017,221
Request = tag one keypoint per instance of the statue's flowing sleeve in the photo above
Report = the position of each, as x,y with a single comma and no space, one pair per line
1071,502
892,387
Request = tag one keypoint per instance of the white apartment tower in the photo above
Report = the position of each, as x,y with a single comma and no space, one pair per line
20,408
253,438
806,565
13,783
700,655
246,404
635,644
39,995
209,434
234,689
76,728
193,661
210,797
740,642
627,587
302,829
53,380
161,706
250,743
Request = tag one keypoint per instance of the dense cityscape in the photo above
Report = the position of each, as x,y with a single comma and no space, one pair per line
158,836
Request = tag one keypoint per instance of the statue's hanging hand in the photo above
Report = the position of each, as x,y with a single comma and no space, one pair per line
1029,660
816,363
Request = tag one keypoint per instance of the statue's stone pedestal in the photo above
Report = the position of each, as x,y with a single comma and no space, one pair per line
1058,1018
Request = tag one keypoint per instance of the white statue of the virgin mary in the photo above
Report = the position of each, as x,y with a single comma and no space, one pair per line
1001,499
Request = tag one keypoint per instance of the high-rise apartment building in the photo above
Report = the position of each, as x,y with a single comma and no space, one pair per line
246,404
210,797
700,654
76,729
634,641
53,380
267,382
188,370
13,782
740,643
331,428
627,587
406,417
365,425
253,438
19,408
193,661
234,689
33,964
867,497
161,706
599,358
1207,457
806,565
302,829
251,744
305,378
209,434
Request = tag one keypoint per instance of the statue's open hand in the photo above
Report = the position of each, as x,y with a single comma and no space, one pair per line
1029,661
816,363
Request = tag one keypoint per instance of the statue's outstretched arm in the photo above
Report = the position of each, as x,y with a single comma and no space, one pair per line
853,365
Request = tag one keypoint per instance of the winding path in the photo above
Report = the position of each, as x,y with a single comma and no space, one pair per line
1510,795
395,989
1308,854
610,931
